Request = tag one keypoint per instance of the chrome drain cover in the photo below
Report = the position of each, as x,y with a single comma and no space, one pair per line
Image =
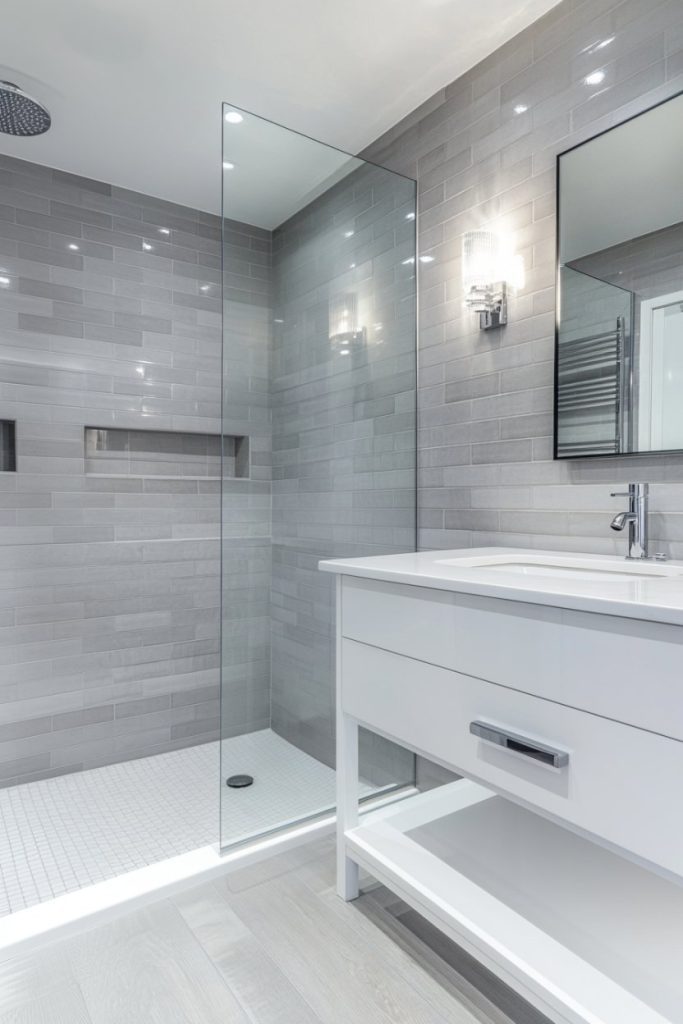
239,781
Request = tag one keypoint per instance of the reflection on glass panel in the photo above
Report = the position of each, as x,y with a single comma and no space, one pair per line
620,325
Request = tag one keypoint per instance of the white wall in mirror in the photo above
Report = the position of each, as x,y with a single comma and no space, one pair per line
660,372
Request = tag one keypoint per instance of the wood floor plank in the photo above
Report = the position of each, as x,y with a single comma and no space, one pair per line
61,1005
367,920
455,974
148,967
266,995
282,864
344,978
31,975
272,944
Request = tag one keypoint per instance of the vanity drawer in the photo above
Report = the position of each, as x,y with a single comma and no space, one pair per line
619,783
625,669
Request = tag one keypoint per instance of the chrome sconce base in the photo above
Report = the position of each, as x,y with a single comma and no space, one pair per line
490,319
491,304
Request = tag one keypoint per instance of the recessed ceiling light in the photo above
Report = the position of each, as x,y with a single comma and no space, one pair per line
73,246
164,231
227,166
595,78
410,216
204,287
146,246
349,234
140,370
278,321
520,108
406,263
427,259
344,352
232,117
4,281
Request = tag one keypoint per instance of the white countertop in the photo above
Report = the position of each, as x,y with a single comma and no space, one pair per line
654,598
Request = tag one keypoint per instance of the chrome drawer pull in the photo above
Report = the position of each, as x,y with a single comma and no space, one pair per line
520,744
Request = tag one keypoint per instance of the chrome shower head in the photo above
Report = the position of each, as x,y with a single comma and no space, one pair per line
20,114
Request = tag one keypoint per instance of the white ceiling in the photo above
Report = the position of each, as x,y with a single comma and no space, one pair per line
276,172
135,86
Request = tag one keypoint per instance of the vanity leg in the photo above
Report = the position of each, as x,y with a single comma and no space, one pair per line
347,772
347,802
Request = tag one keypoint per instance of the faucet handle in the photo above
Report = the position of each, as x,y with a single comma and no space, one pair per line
634,491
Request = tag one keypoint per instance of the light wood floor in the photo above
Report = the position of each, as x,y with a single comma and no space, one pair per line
271,944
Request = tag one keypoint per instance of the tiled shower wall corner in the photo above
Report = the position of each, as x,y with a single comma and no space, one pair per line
109,592
485,401
344,435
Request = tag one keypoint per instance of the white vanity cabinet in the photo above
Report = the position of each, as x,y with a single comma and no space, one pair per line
557,860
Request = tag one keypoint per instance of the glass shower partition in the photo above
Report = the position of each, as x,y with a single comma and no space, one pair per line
319,451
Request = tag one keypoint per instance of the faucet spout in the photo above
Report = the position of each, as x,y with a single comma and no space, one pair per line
621,519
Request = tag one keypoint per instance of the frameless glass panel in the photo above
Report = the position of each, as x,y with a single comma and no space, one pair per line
319,383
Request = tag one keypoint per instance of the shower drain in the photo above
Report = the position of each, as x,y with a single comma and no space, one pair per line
239,781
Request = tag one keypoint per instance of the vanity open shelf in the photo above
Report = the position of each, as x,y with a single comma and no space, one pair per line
581,932
557,860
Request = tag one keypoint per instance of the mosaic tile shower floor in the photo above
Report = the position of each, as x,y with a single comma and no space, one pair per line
63,834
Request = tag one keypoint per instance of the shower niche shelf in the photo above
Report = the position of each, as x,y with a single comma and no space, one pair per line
8,452
164,454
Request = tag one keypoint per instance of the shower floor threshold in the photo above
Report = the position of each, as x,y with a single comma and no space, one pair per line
27,930
91,843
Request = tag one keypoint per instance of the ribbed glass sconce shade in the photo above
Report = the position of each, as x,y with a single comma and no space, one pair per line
480,259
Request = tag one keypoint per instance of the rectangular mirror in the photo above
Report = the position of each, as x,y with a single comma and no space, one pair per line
619,341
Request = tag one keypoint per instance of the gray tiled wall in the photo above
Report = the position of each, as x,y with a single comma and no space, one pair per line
109,317
344,434
485,403
109,589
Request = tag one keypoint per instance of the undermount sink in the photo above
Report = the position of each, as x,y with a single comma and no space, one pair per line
587,569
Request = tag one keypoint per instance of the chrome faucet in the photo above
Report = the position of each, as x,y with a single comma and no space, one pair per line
637,519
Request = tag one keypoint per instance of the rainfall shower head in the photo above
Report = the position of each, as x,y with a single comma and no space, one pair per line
19,114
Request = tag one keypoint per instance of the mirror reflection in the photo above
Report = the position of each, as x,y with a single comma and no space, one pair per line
619,354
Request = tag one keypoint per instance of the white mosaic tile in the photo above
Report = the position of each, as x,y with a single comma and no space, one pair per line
289,785
62,834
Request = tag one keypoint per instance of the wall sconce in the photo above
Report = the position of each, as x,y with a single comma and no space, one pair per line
488,266
345,334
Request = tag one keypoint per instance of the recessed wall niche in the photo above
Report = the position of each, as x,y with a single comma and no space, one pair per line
117,452
8,452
